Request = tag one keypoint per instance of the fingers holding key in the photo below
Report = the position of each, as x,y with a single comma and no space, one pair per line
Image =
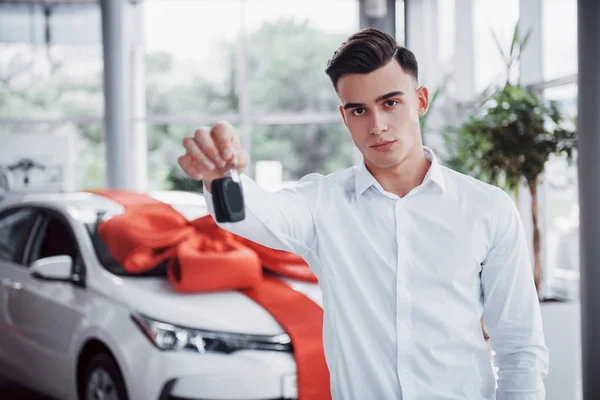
209,152
190,167
223,135
241,155
206,144
199,159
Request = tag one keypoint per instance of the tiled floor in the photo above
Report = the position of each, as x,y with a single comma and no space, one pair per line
12,391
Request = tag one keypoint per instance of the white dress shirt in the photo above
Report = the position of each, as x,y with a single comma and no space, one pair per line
406,280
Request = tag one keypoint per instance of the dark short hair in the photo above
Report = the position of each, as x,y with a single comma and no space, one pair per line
366,51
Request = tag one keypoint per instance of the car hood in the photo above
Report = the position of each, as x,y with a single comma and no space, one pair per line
229,311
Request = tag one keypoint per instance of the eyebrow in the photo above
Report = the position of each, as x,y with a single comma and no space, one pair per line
377,100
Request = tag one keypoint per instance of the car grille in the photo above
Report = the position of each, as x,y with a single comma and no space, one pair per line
165,394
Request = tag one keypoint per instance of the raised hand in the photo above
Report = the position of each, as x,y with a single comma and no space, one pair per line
209,153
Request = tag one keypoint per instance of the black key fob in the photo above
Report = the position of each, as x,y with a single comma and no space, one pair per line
228,198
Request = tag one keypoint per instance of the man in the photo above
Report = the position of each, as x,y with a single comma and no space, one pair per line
409,254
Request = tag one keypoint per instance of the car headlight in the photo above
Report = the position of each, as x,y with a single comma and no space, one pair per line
167,337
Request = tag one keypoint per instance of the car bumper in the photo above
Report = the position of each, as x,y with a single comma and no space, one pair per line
243,375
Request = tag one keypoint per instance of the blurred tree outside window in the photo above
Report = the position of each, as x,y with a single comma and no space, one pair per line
286,67
191,71
56,89
292,113
62,81
303,149
189,56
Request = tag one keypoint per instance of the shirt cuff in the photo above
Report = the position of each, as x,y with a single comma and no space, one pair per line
209,201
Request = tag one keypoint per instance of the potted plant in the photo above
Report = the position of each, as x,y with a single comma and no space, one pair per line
508,138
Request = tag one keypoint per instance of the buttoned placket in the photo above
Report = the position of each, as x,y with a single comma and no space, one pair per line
403,298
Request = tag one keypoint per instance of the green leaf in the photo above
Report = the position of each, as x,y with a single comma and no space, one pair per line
524,41
515,39
500,49
510,137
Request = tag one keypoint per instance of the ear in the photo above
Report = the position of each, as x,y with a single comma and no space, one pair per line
343,114
423,99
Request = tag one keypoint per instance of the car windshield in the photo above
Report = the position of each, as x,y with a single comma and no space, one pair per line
114,267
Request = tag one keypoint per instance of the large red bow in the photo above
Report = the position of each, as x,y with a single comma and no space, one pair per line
202,257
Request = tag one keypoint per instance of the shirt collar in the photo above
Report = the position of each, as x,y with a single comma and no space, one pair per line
365,180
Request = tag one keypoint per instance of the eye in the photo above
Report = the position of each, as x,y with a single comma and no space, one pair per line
390,103
358,111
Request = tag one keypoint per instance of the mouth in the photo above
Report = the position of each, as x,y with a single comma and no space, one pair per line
385,145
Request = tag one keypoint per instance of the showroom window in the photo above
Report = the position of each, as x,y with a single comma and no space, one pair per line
559,38
400,15
492,19
190,56
256,63
562,208
304,148
51,94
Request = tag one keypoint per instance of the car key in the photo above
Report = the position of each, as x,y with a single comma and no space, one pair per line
228,198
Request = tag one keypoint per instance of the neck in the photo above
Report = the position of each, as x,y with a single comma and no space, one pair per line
404,177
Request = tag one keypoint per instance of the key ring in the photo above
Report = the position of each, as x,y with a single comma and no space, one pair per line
233,172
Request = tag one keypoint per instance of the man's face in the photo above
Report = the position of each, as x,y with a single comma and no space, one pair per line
381,110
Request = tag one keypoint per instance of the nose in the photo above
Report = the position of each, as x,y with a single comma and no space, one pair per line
377,124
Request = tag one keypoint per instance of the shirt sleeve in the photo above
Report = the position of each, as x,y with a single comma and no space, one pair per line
512,312
282,220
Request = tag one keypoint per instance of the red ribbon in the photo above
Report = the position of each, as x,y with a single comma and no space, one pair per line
202,257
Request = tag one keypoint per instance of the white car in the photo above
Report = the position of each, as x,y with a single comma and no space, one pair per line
75,325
